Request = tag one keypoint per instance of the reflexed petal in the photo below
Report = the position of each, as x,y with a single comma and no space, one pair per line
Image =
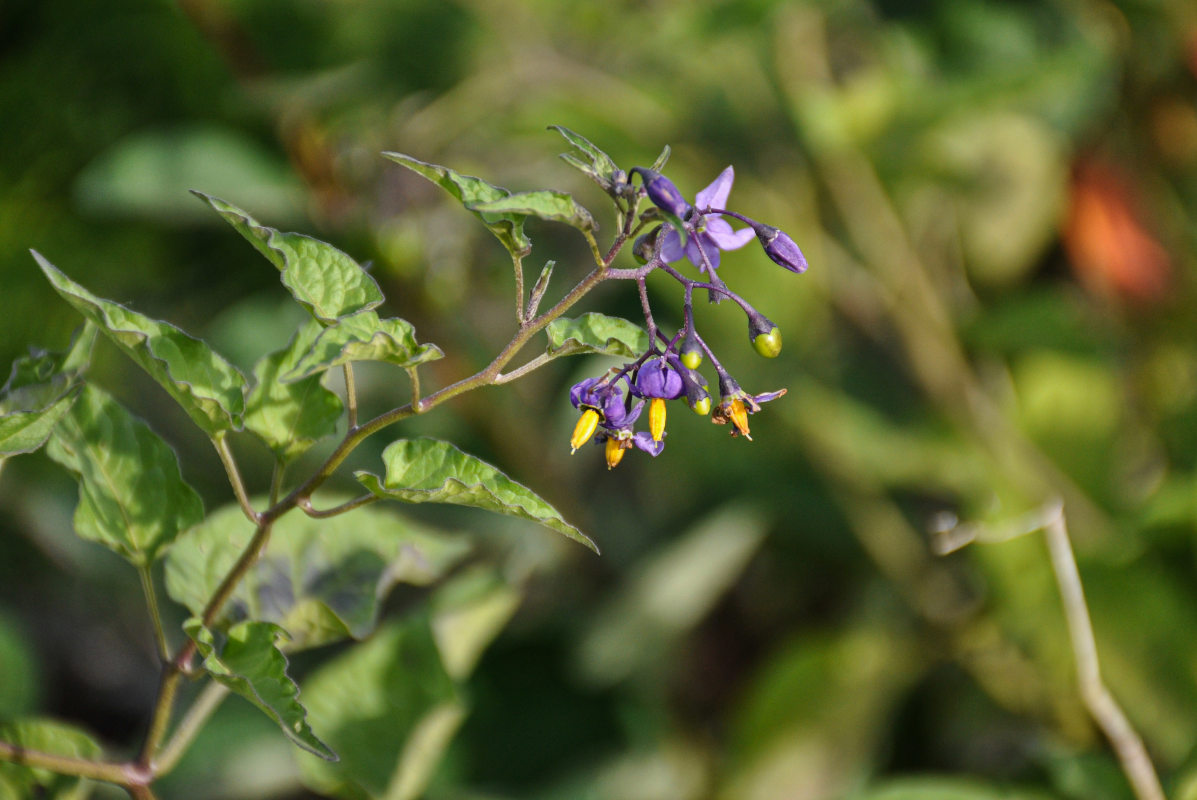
724,237
695,255
671,247
715,195
644,441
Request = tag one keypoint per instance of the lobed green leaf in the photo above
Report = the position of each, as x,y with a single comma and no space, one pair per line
363,337
322,580
209,389
545,204
432,471
132,497
291,416
248,661
322,278
596,333
390,709
469,191
47,736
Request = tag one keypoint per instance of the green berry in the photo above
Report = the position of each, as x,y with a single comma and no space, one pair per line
768,344
702,407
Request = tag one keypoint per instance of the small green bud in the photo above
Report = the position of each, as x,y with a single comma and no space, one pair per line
702,407
768,344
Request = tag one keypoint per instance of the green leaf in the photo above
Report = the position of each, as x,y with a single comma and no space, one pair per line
545,204
209,389
469,191
291,417
431,471
600,162
39,392
249,663
659,164
363,337
132,498
596,333
945,788
320,579
47,736
389,708
323,279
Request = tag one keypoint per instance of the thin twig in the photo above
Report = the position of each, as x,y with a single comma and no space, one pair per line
221,442
151,601
1127,744
350,396
305,505
517,263
414,376
203,707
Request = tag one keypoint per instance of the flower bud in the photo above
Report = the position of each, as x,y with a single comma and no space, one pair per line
690,352
697,396
764,335
645,246
663,193
780,248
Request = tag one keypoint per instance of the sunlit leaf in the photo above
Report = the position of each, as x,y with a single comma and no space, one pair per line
363,337
290,417
39,392
320,579
209,389
596,333
544,204
431,471
247,660
47,736
132,498
323,279
389,708
469,191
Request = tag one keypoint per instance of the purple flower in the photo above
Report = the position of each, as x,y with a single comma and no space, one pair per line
780,248
606,418
710,232
658,379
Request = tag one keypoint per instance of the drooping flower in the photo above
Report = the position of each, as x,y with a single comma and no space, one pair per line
736,404
711,233
606,418
659,381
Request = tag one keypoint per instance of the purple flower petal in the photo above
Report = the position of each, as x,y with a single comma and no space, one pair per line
715,195
671,247
644,441
725,238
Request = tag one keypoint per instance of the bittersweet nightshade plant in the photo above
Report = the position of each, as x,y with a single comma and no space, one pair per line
223,566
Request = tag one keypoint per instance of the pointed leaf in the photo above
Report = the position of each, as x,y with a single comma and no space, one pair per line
389,708
431,471
132,498
27,431
209,389
659,164
596,333
599,161
249,662
509,228
545,204
47,736
326,281
39,392
291,417
320,579
363,337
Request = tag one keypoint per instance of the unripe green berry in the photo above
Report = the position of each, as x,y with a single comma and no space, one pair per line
702,407
768,344
690,352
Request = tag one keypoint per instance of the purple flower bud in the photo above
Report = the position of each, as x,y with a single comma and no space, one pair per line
780,248
658,379
663,193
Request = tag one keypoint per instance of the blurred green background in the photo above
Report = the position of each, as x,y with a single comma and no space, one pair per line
999,204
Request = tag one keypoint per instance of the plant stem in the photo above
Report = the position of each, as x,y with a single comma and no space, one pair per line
151,601
305,505
413,375
105,771
221,442
517,263
203,707
350,396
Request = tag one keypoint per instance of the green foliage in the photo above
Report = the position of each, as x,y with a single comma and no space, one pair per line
362,337
209,389
322,580
132,498
431,471
595,333
544,204
292,416
39,392
601,169
324,280
47,736
471,191
247,660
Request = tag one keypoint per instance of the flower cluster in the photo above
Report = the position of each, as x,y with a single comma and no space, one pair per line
612,403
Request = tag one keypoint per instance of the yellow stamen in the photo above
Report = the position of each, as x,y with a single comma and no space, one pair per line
656,418
615,451
584,429
739,417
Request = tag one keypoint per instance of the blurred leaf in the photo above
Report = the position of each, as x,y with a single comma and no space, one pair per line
20,688
132,497
39,392
247,660
661,160
291,417
389,708
363,337
431,471
544,204
47,736
149,174
470,191
320,579
467,613
208,388
596,333
323,279
932,788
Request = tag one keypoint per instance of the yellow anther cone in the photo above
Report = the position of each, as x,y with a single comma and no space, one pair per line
656,418
615,452
584,429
